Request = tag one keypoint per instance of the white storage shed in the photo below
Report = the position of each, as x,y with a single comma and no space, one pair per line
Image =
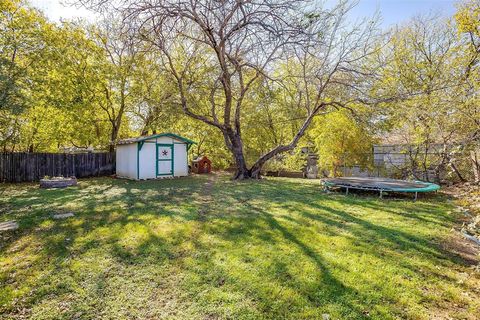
150,157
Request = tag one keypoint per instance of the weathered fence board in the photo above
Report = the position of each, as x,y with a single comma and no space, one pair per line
22,166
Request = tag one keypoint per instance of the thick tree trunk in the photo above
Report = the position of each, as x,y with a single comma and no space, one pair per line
258,165
255,171
457,172
113,138
242,172
235,144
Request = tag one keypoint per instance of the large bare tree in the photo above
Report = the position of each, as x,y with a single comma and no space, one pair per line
241,42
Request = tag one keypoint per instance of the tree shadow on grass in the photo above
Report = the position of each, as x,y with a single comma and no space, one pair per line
335,288
238,217
325,293
259,227
298,197
424,254
425,212
51,245
363,229
392,243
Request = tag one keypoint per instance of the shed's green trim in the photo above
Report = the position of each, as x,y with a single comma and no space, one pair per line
168,134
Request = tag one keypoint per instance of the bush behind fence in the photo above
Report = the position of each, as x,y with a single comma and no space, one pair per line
23,166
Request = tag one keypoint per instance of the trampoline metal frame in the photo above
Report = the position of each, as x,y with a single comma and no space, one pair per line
428,188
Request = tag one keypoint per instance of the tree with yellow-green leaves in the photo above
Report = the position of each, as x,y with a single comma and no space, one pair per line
341,140
468,21
48,82
429,75
21,45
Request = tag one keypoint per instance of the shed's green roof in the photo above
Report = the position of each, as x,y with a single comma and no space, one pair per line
153,136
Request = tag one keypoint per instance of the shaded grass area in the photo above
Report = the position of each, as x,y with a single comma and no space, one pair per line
193,249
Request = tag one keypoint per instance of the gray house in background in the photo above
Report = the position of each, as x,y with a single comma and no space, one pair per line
398,155
435,162
403,160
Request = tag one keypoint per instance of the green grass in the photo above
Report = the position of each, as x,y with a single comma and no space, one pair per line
271,249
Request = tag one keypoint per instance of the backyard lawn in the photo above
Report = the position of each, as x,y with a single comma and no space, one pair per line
206,247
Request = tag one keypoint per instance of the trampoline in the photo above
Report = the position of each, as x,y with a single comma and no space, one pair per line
380,184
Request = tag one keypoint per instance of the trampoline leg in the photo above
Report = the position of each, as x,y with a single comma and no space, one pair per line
381,194
416,196
346,192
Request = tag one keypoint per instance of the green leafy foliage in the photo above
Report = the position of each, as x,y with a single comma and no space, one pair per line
340,140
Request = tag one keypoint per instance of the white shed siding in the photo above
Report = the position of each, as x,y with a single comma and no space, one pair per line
126,160
180,164
165,140
147,157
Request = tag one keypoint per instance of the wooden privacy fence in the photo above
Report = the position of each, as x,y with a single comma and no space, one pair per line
23,166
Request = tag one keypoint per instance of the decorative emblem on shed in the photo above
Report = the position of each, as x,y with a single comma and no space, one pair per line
164,153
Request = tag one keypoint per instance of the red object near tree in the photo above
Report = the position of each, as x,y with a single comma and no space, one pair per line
202,165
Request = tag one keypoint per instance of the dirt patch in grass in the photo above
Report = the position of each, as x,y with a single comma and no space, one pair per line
206,195
463,248
466,198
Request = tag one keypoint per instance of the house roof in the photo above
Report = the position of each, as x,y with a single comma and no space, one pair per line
166,134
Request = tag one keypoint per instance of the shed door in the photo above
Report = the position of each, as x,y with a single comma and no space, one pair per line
164,159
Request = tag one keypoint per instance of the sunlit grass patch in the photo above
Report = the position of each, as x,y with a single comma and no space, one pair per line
276,248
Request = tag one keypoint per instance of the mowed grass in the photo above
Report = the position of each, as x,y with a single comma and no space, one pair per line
193,249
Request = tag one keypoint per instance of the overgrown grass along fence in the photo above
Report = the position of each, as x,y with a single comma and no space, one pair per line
22,166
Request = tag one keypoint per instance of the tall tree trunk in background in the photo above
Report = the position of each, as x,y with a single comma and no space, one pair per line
475,156
242,171
113,138
457,172
257,167
117,122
